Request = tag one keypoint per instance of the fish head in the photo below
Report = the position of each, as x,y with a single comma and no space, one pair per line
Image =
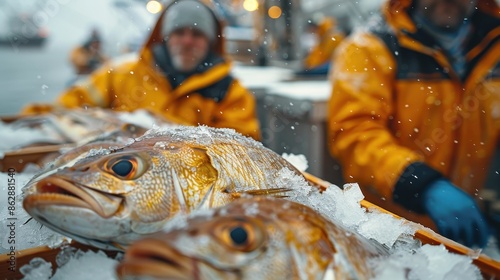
109,198
257,238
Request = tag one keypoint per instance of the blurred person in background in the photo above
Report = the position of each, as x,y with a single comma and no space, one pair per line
415,109
326,39
180,73
89,56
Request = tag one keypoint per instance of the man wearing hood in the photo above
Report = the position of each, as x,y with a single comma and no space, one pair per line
89,56
180,73
415,109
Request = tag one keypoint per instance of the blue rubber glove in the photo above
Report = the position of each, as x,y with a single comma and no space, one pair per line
455,214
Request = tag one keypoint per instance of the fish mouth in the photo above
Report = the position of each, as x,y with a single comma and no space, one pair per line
56,191
155,258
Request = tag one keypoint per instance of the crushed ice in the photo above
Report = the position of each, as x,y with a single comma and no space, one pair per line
76,265
143,118
29,232
299,161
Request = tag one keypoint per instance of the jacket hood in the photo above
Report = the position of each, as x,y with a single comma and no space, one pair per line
155,36
396,12
325,26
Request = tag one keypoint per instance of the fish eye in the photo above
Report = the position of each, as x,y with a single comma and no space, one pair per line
240,234
122,167
126,167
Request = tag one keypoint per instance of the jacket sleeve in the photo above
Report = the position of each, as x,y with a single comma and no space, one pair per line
238,110
92,92
359,115
78,59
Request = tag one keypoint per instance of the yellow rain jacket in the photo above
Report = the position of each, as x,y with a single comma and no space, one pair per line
400,117
211,98
329,39
84,62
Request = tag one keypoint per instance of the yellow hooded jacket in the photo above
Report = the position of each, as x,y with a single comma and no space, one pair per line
400,117
329,39
80,58
211,98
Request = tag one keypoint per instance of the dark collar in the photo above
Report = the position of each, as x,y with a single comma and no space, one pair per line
164,62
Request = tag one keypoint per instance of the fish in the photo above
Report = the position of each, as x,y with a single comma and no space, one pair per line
63,126
75,126
109,196
253,238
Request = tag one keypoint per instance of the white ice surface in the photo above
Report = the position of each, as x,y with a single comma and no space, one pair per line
77,265
278,81
303,90
253,77
87,265
27,234
37,269
13,137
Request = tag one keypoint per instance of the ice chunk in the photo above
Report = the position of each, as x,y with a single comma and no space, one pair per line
446,265
492,249
402,264
37,269
347,211
384,228
87,265
65,255
299,161
391,270
426,262
352,192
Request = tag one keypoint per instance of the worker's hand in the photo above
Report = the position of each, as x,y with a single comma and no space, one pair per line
455,214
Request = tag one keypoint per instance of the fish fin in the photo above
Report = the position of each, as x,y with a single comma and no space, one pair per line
206,202
179,192
281,196
263,192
